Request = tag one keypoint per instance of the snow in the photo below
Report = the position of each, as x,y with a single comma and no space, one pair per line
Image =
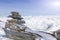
46,36
37,23
43,23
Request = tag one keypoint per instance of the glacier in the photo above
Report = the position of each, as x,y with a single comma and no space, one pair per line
47,24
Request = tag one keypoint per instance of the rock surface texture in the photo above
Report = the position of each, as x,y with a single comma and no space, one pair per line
15,28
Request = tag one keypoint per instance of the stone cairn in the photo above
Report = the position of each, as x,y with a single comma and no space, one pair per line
15,28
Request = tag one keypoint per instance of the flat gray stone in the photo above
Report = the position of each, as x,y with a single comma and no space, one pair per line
19,35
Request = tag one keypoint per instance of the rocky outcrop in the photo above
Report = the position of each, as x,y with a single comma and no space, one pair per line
15,28
19,35
57,34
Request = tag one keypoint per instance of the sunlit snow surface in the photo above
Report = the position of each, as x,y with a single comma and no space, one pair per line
43,23
37,23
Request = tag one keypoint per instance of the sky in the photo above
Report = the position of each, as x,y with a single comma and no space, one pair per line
30,7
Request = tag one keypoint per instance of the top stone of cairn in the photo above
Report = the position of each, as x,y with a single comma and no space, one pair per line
15,15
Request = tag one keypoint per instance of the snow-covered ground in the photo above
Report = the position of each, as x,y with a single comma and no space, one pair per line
37,23
43,23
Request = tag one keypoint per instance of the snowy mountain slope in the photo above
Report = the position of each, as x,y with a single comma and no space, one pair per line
36,23
43,23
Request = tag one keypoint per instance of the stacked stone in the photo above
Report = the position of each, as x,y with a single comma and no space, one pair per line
14,30
15,21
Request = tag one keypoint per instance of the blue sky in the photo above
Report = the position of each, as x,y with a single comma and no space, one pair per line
30,7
